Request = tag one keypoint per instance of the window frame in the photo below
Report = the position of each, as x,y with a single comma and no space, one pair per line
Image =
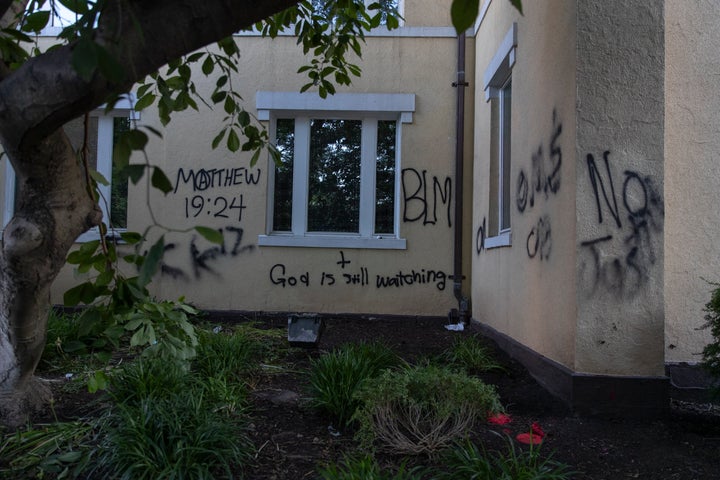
302,107
497,78
123,108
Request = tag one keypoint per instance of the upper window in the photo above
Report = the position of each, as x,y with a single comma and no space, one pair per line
498,91
336,184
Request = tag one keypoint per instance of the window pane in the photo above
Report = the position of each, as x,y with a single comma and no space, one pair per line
385,178
506,99
334,177
119,182
282,203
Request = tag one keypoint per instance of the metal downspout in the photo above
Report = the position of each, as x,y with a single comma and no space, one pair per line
462,311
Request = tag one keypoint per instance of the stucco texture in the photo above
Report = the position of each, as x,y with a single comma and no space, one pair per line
692,170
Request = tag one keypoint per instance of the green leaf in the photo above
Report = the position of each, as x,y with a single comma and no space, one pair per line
83,293
210,234
136,139
131,237
208,65
233,142
109,65
75,6
36,21
135,172
152,262
85,58
145,101
218,138
464,13
98,177
160,181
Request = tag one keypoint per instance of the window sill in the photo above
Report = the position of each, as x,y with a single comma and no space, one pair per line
332,241
502,240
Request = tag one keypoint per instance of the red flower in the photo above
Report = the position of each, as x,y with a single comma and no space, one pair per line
535,427
529,438
534,437
499,419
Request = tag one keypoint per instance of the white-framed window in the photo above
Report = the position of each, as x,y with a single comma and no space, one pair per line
103,127
337,183
498,91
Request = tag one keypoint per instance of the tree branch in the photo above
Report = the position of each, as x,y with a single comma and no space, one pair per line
46,92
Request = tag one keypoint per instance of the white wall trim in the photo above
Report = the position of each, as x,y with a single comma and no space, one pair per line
481,16
332,241
502,240
374,103
501,64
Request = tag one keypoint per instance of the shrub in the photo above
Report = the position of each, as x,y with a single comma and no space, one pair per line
711,352
421,409
147,378
179,436
470,354
335,376
465,460
365,468
230,356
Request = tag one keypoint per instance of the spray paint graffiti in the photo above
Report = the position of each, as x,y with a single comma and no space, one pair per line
543,180
620,260
480,237
419,204
539,241
545,171
202,260
359,277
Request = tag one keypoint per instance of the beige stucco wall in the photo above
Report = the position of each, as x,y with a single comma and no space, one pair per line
239,276
620,207
527,290
692,170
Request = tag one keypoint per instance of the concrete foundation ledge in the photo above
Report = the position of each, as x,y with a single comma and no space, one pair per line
589,395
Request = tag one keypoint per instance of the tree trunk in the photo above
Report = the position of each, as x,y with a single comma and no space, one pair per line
53,209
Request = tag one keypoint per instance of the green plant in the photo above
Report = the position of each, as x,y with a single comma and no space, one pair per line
147,378
365,468
335,376
177,436
470,354
226,355
711,352
421,409
58,450
465,460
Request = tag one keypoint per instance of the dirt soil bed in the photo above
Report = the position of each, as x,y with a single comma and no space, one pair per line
291,439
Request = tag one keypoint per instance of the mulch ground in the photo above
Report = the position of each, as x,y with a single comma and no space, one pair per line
292,439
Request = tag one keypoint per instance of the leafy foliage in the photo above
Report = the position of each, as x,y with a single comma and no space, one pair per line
365,468
711,352
421,409
465,460
470,354
336,376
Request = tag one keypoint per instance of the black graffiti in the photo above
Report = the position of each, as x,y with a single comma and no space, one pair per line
278,276
480,237
595,179
545,171
416,198
206,179
219,207
201,260
413,277
620,275
627,271
539,241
